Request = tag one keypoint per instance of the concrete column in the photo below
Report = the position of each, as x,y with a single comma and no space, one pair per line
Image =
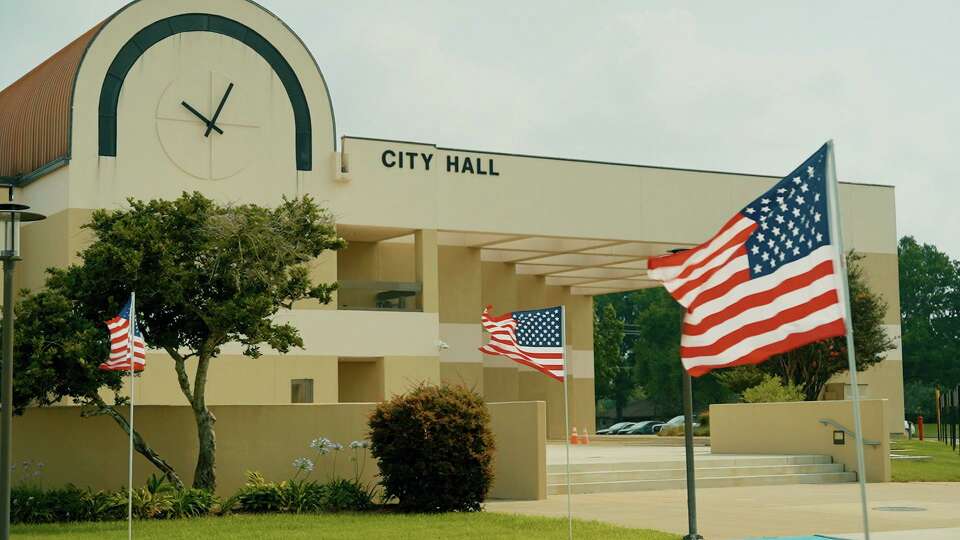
425,242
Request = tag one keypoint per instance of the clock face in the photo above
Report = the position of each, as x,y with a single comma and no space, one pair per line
209,123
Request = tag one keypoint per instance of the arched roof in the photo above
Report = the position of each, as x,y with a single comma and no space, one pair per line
35,112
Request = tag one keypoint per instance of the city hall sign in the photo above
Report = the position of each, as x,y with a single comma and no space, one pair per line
401,159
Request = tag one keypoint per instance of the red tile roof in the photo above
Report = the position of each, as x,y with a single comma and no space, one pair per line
35,111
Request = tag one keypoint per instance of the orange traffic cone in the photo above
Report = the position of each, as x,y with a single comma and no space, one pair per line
585,439
574,439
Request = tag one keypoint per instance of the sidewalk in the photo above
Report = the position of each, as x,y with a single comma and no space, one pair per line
737,513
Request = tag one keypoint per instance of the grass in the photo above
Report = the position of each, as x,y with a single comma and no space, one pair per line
374,526
944,465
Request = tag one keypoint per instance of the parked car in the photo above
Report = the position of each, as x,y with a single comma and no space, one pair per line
623,428
613,428
641,428
675,422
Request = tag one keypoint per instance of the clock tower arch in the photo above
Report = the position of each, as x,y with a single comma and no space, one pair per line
210,95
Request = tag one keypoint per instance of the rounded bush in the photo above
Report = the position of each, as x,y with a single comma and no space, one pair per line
435,449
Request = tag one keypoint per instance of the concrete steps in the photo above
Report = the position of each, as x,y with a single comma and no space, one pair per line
711,472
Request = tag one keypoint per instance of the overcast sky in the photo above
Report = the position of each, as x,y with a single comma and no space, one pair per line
739,86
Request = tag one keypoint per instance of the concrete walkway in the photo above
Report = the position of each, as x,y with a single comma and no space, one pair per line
737,513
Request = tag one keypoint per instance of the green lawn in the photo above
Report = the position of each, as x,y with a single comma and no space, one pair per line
342,526
943,467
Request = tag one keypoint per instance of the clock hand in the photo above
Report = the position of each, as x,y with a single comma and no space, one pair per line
200,116
216,115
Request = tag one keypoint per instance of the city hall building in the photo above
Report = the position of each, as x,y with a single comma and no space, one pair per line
435,233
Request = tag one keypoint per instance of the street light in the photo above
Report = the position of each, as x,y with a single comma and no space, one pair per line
11,216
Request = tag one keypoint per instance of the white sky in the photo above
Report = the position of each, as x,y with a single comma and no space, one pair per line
739,86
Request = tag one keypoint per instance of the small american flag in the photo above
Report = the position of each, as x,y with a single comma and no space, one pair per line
533,338
766,283
119,328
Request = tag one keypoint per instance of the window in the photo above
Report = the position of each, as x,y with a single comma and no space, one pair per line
301,391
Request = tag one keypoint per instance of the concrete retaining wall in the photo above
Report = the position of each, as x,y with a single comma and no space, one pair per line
265,438
795,428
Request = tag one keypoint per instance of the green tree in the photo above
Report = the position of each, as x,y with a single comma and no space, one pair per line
772,390
615,379
657,352
929,313
205,275
57,353
920,400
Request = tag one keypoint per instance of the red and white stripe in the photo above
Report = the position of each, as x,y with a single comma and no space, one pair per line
732,319
503,342
119,360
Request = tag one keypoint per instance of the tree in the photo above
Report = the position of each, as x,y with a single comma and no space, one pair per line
656,354
810,367
930,313
205,275
772,390
57,353
614,377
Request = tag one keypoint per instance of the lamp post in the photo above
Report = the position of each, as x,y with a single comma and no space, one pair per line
11,216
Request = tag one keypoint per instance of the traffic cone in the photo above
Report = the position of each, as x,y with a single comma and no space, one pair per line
586,437
574,439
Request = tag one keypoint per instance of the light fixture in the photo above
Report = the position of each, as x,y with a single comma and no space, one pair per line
11,216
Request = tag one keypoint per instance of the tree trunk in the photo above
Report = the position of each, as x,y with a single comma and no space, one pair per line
139,444
619,412
204,477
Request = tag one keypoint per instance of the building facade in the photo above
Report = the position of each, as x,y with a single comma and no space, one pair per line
435,234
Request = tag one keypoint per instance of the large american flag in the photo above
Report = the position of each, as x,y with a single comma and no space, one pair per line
766,283
119,328
533,338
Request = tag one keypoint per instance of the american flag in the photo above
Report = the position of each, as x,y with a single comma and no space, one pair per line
533,338
119,328
766,283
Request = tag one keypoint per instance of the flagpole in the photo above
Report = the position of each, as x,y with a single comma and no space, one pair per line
566,413
132,357
841,264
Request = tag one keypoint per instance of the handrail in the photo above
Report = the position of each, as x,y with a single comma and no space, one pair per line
838,425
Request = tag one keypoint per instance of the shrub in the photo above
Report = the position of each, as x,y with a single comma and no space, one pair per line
258,495
192,502
347,496
772,390
30,504
435,449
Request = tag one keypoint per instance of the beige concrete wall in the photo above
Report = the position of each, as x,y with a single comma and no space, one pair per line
93,451
501,384
466,374
460,285
402,373
794,428
360,380
238,380
521,437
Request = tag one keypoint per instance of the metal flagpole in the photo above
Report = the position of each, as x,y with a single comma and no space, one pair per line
566,413
691,470
841,265
130,354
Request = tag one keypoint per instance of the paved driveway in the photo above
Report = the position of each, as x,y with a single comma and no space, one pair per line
750,512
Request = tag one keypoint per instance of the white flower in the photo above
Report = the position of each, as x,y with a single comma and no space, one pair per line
303,464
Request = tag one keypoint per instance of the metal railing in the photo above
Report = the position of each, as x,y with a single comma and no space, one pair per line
948,419
833,423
